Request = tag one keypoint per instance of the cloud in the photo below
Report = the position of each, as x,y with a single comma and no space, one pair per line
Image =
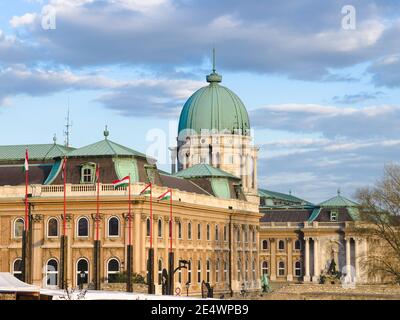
357,97
386,71
315,168
330,121
26,19
302,40
137,97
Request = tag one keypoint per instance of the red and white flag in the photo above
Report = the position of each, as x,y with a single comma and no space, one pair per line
26,164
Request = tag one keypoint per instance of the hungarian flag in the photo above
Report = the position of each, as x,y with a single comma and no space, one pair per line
165,196
97,173
63,168
124,182
26,164
146,190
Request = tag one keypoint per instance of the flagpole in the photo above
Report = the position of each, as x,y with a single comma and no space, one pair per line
129,212
25,234
97,204
26,193
65,199
151,217
150,262
97,244
171,254
64,239
170,220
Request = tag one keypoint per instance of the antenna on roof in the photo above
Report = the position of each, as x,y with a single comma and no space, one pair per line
214,60
68,126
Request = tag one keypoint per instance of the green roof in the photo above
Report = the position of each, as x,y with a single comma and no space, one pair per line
105,148
282,196
203,170
338,201
36,151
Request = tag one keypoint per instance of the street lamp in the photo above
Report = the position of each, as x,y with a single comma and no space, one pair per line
187,288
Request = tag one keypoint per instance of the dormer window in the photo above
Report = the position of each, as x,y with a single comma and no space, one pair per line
334,216
88,171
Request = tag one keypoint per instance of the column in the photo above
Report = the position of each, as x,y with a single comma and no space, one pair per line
348,256
272,266
289,252
316,261
137,233
306,278
357,256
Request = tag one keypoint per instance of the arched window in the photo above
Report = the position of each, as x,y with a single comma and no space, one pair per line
112,270
18,227
82,271
225,271
253,172
52,273
159,227
189,231
265,244
198,231
281,245
208,232
17,268
52,228
217,265
246,236
208,271
159,271
297,268
216,233
87,172
297,245
113,227
179,230
199,271
281,268
264,267
225,233
148,227
254,236
238,235
189,272
83,227
239,270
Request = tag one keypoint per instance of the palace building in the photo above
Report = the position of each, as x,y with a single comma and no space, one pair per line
229,231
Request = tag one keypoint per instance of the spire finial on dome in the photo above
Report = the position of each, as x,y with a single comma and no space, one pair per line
214,60
338,191
106,133
55,138
214,77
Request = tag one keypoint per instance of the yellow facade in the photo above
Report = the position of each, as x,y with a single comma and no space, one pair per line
217,218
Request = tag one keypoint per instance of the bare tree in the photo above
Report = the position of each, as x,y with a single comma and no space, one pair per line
380,216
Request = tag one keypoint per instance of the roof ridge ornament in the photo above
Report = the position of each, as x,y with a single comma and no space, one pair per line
55,139
106,133
214,77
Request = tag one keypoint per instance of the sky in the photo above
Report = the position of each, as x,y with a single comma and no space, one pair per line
320,79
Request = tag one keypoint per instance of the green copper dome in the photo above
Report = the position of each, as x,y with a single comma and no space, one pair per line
214,107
